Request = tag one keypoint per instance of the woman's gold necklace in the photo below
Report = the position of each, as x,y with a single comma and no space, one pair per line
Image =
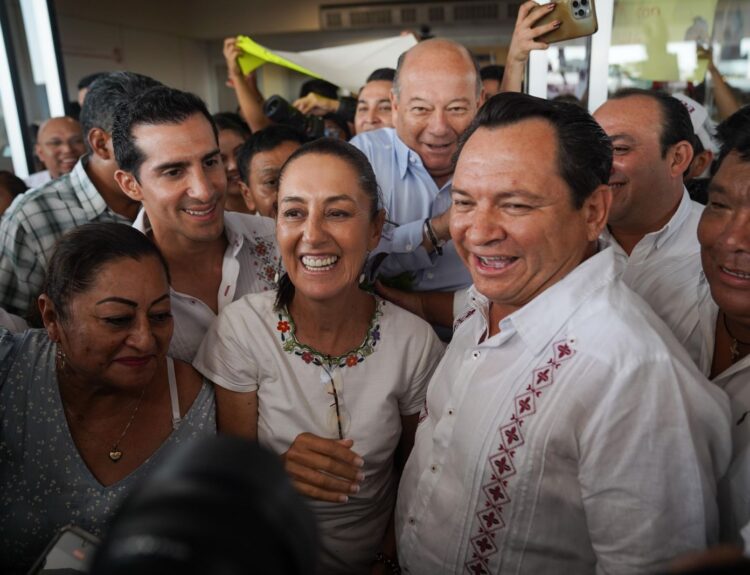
115,453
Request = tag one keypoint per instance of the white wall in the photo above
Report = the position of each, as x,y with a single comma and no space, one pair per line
90,46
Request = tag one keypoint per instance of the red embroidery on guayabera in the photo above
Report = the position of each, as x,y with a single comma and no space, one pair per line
489,518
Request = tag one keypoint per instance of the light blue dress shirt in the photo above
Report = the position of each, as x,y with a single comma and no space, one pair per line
410,195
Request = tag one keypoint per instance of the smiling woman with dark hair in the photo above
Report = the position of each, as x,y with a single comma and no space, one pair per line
90,403
327,375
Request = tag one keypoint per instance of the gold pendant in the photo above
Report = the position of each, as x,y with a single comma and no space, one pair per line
734,349
115,454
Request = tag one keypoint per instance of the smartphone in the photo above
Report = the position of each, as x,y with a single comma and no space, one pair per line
577,17
70,551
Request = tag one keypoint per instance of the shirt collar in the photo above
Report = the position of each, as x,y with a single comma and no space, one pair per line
542,318
404,154
405,157
675,222
659,237
84,188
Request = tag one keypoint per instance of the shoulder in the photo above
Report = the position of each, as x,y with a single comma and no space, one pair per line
617,326
249,309
57,193
249,225
27,346
376,142
404,326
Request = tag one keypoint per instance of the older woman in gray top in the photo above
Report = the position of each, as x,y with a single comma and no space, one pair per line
91,403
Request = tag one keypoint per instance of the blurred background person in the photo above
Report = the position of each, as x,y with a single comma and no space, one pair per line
492,79
91,403
233,132
324,373
259,162
85,83
10,187
374,102
59,145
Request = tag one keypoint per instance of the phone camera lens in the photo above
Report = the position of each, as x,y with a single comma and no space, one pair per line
584,2
575,4
580,13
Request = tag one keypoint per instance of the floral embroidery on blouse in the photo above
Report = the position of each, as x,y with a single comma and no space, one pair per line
266,260
286,330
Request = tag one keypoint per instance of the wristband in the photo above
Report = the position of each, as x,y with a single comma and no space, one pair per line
433,238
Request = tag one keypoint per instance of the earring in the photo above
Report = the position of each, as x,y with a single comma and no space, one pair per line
60,358
277,275
363,275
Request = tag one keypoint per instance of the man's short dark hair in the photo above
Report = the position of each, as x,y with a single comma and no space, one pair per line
157,106
105,95
492,72
734,136
676,123
89,79
382,74
234,122
320,87
265,140
584,151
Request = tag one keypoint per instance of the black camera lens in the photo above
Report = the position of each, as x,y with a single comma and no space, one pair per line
584,2
575,4
580,13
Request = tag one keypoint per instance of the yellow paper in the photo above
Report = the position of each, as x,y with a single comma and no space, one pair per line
256,55
657,38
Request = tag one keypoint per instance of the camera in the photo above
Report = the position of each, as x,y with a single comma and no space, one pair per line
280,111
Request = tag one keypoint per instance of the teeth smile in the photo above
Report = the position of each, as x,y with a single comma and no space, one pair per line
737,273
319,263
199,212
497,262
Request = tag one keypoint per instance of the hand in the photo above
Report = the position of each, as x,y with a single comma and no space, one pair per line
524,34
706,53
316,104
409,300
231,53
440,225
324,469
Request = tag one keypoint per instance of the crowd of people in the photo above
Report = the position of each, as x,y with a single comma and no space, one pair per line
487,334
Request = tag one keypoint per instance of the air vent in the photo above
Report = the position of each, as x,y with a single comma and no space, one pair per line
480,12
436,14
408,15
513,8
370,18
333,20
399,15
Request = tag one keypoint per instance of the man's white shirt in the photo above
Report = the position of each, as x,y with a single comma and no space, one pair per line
664,266
734,500
250,263
580,439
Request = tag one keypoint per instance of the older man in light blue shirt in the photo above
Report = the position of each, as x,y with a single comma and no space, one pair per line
436,93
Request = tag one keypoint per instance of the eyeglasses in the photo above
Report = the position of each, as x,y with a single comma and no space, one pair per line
337,419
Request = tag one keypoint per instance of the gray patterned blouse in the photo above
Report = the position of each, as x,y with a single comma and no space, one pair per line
44,482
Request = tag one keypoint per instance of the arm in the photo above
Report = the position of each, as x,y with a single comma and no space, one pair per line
237,413
21,268
726,103
434,307
316,104
651,451
523,42
249,97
